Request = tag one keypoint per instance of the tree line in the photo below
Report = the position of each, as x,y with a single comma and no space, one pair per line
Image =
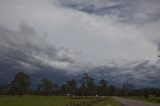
86,86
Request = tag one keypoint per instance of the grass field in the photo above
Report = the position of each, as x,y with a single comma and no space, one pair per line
109,101
55,101
151,100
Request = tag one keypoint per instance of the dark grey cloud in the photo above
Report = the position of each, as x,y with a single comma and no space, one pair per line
24,50
100,7
139,11
88,26
27,41
141,75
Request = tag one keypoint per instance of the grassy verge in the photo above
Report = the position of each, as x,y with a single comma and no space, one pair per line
151,100
56,101
109,102
37,101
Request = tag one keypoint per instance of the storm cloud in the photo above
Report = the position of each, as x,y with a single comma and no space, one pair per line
141,74
139,11
117,40
24,50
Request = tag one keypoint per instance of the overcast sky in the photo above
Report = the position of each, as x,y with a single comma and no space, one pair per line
118,40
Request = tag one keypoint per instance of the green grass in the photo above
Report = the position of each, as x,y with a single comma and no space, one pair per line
109,102
36,101
151,100
54,101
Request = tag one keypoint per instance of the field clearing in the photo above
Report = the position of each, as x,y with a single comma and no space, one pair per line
55,101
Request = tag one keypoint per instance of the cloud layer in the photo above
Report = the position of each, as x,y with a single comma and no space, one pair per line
139,11
117,40
24,50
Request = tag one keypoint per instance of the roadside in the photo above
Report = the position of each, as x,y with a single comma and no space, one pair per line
129,102
150,99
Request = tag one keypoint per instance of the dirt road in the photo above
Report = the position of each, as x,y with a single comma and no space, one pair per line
128,102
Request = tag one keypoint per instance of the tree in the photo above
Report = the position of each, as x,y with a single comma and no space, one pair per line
87,85
46,86
3,89
127,88
103,88
21,84
112,90
64,89
56,88
72,86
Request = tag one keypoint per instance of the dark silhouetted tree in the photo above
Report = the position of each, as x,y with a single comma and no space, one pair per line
3,89
87,85
127,89
21,84
56,89
46,86
103,88
64,89
112,90
72,86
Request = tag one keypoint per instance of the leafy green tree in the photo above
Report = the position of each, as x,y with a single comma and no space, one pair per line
64,89
3,89
112,90
46,86
21,84
72,86
56,89
88,85
103,88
